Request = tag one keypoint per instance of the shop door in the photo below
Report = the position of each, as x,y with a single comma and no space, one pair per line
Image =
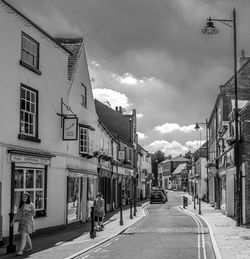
73,199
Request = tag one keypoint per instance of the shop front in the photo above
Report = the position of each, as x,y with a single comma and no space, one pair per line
126,175
24,170
74,197
80,194
104,185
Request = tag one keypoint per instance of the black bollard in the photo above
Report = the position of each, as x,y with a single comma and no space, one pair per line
184,203
121,218
131,207
194,203
199,206
11,248
92,230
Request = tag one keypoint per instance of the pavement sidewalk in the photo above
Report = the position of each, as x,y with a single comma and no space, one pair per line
70,242
230,242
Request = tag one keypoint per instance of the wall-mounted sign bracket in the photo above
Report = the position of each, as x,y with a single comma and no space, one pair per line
63,115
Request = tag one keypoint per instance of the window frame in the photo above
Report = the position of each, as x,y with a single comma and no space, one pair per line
22,135
87,140
23,62
39,212
84,96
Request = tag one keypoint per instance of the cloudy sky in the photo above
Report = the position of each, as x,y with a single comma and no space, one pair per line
151,56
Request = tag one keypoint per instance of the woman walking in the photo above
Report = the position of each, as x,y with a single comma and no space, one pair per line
99,211
25,217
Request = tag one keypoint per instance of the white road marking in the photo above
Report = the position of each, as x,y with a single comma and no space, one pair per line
116,239
97,250
85,256
200,233
107,244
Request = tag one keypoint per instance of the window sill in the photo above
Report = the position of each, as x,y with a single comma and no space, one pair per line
84,105
87,155
29,138
40,214
37,71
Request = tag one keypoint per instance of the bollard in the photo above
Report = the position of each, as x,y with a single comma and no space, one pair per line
131,207
199,206
184,203
92,232
194,203
121,218
134,207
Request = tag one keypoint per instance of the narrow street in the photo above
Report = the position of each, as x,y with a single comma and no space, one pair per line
166,232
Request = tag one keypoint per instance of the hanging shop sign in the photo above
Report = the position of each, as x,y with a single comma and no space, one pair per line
70,128
121,155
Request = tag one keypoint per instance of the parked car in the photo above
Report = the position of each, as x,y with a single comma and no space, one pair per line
165,193
157,196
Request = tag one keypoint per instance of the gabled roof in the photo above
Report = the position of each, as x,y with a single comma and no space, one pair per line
114,120
165,161
179,168
74,46
179,159
23,17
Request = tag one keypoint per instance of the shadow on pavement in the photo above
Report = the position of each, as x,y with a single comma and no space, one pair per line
42,241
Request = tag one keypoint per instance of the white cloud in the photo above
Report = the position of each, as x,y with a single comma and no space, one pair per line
171,127
141,136
94,63
113,97
194,145
139,115
127,79
173,148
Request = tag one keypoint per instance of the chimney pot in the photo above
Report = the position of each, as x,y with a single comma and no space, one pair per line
243,53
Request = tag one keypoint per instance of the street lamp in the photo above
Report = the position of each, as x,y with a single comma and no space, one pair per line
210,30
197,127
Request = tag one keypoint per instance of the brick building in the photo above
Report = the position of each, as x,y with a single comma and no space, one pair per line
221,166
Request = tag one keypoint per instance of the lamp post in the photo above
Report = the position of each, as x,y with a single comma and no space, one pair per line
210,30
197,127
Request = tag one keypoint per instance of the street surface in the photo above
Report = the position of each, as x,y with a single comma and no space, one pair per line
167,231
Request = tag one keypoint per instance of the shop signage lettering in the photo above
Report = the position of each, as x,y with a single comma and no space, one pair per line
26,159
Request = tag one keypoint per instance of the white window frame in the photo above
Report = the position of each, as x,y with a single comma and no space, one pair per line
84,96
30,51
28,111
83,140
34,189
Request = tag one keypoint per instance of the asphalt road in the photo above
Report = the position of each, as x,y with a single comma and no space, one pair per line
167,231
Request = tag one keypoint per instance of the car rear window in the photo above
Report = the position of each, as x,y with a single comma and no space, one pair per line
156,193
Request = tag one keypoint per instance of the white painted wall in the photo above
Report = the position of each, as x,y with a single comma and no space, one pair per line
52,86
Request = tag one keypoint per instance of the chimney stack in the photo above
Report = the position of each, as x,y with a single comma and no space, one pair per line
116,108
120,109
243,58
